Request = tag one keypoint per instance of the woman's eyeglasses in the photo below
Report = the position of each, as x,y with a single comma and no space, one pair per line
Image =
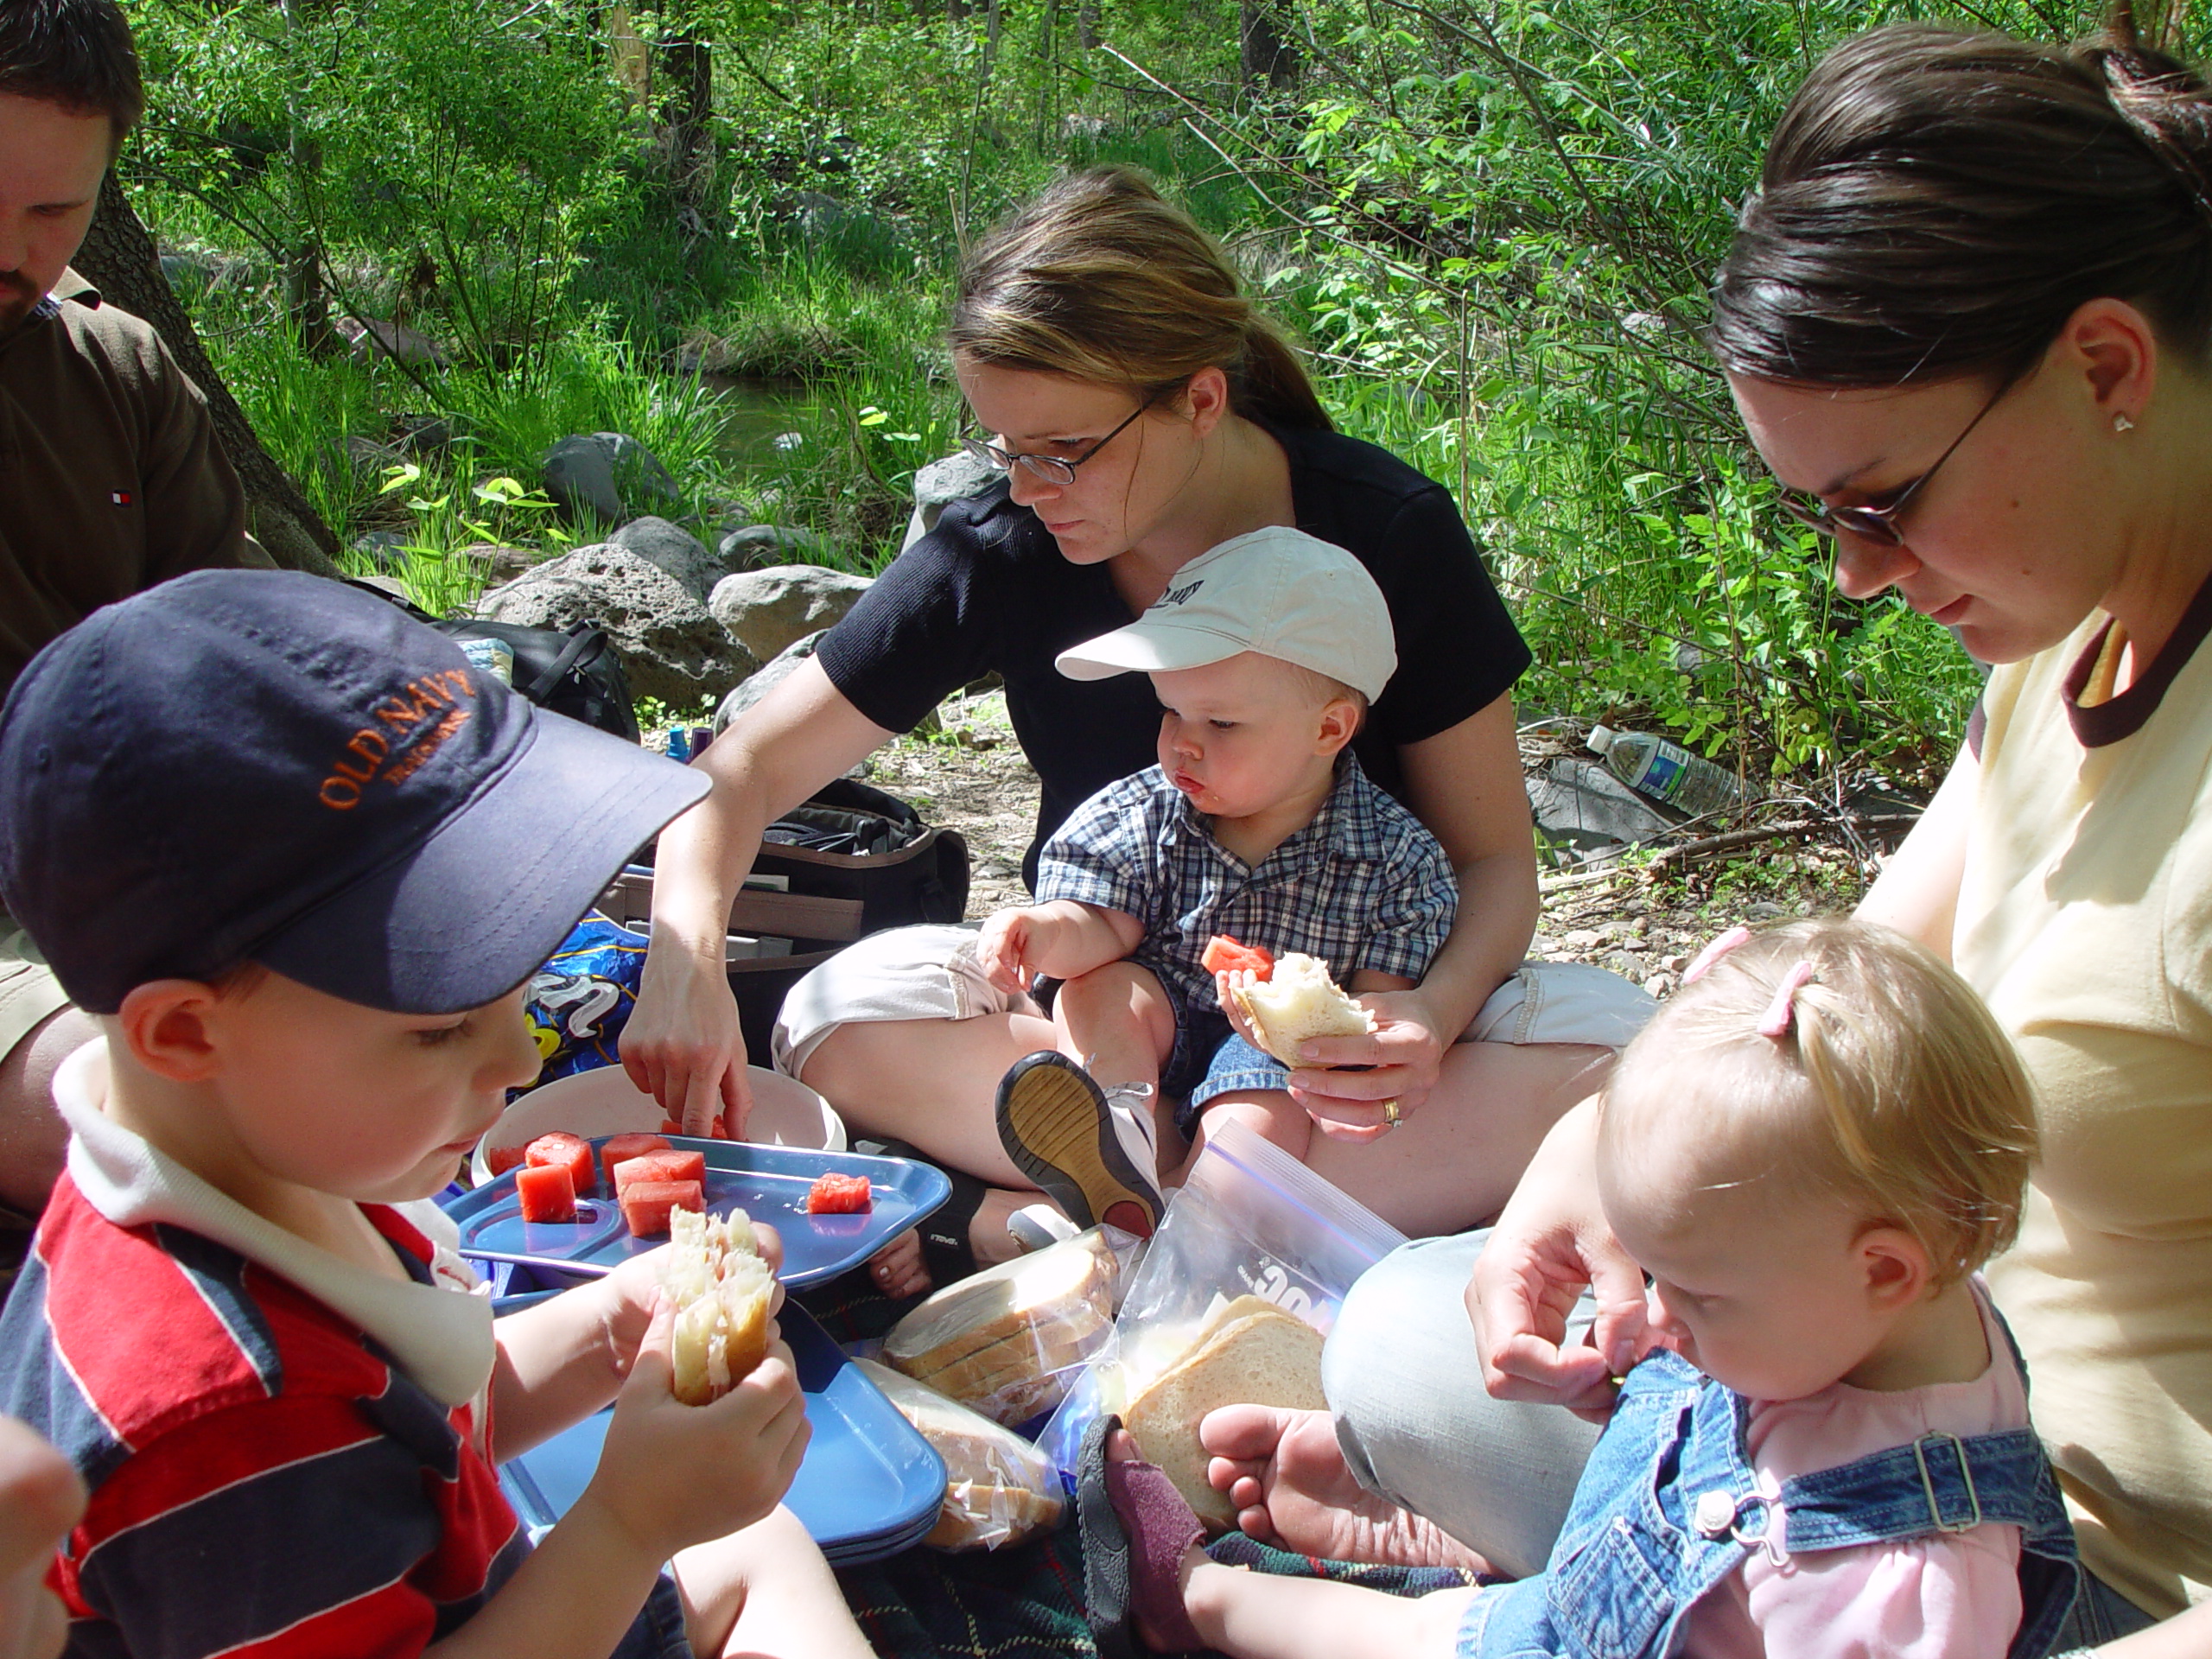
1053,469
1879,525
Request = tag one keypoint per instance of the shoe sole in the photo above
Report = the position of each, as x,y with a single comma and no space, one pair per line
1052,1121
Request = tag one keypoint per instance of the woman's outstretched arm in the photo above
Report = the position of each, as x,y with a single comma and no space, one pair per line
682,1042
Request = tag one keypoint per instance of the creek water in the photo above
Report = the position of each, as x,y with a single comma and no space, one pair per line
769,424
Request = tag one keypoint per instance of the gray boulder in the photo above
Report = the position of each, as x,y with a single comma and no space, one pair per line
605,474
766,610
675,550
770,675
954,478
755,547
671,647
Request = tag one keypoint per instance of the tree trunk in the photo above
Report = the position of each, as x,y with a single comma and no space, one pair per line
119,257
1266,54
688,58
990,40
1086,24
303,288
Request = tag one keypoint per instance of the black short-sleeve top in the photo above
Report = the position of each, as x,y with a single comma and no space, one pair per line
988,591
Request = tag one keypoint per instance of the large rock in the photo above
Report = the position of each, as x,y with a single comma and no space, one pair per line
771,674
671,647
676,550
755,547
766,610
954,478
606,475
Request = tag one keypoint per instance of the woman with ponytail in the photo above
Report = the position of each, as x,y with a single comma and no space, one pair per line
1967,320
1143,411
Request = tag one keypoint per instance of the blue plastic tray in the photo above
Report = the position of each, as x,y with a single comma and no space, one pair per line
769,1183
870,1485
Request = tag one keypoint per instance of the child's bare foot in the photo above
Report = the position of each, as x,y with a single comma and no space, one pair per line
1286,1475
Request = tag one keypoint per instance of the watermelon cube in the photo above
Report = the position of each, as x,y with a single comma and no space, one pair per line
501,1159
616,1148
663,1166
646,1204
558,1146
548,1192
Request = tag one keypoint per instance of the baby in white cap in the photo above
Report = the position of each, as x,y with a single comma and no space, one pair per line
1257,823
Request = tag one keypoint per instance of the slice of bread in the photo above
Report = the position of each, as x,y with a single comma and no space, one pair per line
1049,1345
721,1289
1070,1284
1299,1000
1261,1356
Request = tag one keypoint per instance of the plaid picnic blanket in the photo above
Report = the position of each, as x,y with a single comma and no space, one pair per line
1024,1603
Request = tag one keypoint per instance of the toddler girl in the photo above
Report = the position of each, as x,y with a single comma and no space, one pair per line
1811,1150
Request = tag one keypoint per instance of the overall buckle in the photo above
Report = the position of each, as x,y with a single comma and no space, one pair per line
1952,1522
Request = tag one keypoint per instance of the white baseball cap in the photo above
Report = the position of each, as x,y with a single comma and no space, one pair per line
1276,591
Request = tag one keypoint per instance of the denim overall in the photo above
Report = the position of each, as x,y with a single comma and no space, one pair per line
1667,1508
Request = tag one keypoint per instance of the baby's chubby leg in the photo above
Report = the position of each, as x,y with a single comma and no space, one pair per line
1117,1021
766,1591
1257,1616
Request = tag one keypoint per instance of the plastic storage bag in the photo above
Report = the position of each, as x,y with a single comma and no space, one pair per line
1010,1341
999,1489
1253,1226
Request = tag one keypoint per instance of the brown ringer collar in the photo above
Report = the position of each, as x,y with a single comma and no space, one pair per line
2125,714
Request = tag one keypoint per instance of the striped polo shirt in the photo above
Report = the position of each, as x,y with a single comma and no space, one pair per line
287,1455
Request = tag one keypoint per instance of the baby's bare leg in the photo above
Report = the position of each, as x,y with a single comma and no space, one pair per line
1269,1113
1256,1616
765,1593
1116,1021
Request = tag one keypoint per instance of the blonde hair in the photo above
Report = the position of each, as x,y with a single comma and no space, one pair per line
1101,279
1890,1083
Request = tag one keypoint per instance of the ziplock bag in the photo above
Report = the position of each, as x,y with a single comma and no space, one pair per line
1251,1220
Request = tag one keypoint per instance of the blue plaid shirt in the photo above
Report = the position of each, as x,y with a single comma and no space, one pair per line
1363,886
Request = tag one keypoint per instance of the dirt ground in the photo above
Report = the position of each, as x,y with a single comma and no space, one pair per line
1641,923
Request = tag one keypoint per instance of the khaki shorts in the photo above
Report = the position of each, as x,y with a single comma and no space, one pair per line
30,993
931,973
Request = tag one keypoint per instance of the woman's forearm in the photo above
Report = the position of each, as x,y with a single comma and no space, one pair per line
1499,907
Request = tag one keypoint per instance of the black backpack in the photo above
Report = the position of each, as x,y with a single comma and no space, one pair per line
856,860
574,671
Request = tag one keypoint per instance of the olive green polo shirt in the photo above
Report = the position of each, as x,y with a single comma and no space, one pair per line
111,477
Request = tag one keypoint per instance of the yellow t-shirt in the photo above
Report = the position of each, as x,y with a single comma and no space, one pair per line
2085,919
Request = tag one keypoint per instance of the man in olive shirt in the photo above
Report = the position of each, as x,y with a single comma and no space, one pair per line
110,480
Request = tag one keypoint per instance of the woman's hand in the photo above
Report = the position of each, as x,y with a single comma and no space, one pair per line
1550,1242
683,1046
1404,1051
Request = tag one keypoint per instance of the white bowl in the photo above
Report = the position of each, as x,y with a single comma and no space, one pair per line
785,1113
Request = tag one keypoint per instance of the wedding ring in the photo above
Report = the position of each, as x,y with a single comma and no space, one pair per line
1390,1114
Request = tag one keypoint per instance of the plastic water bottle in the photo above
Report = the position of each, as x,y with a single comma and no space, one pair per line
1668,772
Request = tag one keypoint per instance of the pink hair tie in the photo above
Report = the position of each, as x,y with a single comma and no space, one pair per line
1701,964
1781,1011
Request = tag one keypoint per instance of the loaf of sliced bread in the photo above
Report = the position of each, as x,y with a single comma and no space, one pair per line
999,1489
1069,1285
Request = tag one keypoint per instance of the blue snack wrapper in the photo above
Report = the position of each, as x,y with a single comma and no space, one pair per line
579,1001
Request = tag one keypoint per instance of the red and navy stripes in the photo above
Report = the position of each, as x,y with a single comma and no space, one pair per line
265,1481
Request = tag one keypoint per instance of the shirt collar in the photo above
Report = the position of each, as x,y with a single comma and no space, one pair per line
441,1340
1303,847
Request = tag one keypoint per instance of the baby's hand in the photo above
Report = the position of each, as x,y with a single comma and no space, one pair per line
634,1287
1226,979
673,1475
1005,948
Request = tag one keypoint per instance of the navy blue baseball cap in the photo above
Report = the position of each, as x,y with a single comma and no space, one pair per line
255,765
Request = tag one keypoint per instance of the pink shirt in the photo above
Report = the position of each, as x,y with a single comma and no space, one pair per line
1950,1596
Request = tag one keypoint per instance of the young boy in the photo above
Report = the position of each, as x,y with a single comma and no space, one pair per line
300,858
1258,823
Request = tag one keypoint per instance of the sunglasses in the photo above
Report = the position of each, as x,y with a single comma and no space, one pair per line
1053,469
1879,525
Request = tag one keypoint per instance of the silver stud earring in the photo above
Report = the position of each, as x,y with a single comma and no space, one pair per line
2121,424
